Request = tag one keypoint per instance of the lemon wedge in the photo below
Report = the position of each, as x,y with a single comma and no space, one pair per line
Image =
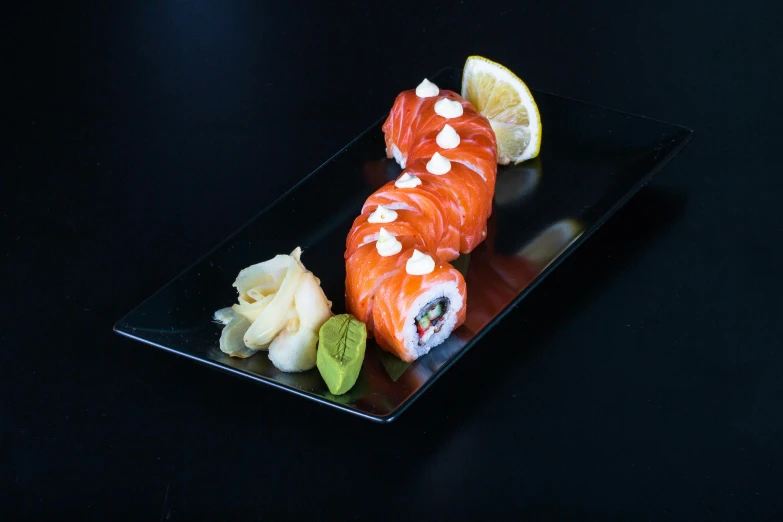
504,99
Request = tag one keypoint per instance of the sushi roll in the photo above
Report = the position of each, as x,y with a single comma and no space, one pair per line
415,312
366,269
399,280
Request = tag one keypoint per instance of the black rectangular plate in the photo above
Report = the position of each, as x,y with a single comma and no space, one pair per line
592,161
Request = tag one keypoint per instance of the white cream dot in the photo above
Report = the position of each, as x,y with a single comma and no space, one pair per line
448,108
407,181
438,165
447,138
427,89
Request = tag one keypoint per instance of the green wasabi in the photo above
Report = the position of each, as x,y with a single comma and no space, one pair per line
342,341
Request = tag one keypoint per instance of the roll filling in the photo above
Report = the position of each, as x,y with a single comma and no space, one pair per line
430,319
411,314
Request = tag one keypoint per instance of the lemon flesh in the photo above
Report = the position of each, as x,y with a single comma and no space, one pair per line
504,99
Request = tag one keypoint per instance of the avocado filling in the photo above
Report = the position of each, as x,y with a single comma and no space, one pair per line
430,319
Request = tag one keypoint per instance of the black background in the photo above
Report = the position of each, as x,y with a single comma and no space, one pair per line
641,381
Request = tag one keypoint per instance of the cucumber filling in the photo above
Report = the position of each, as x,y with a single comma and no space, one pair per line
430,319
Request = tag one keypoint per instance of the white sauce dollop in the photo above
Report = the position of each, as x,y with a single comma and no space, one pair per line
382,215
448,108
438,165
419,264
387,245
427,89
407,181
447,138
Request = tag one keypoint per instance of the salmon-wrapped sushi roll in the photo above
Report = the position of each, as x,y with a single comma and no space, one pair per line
469,146
366,269
365,230
413,313
413,119
472,195
398,278
437,213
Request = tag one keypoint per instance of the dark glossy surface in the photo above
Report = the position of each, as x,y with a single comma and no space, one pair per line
639,382
592,160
